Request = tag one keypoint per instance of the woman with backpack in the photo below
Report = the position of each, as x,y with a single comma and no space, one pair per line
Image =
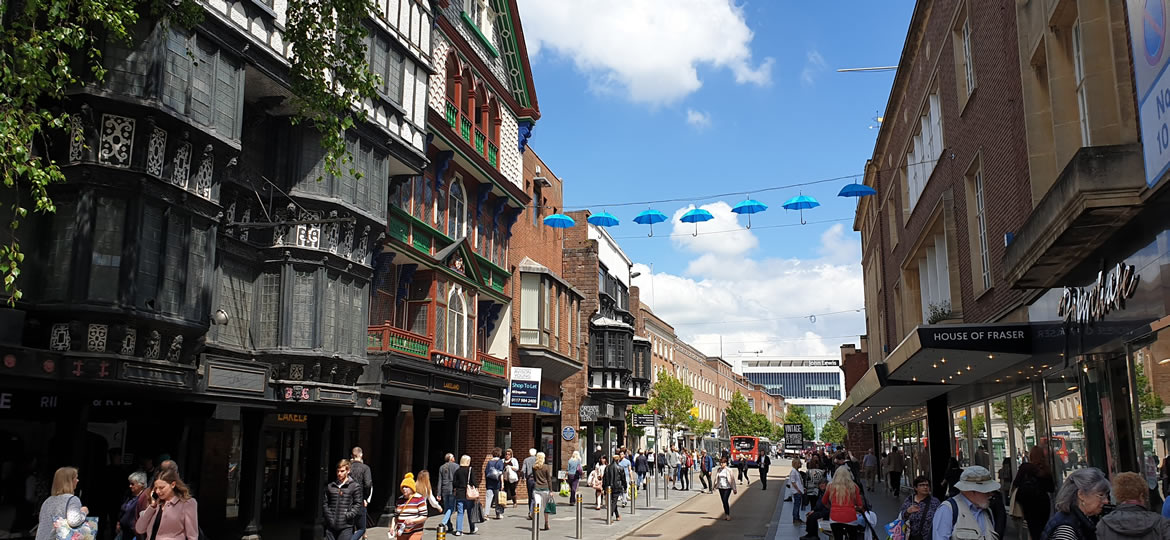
1033,486
493,480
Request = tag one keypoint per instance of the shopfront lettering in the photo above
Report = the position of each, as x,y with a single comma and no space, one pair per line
452,386
48,402
5,401
293,418
1085,305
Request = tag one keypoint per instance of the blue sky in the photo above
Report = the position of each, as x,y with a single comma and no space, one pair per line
665,99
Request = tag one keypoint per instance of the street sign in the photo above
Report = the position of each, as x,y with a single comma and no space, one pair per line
1147,34
794,437
525,388
644,420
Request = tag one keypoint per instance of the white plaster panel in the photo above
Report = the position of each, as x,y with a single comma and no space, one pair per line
260,31
239,16
420,90
418,142
438,88
218,5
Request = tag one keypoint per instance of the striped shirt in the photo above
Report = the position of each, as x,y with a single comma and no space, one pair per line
409,510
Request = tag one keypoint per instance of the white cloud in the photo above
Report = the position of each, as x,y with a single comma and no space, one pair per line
758,304
698,119
813,66
648,50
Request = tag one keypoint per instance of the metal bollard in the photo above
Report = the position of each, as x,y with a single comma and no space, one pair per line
647,498
608,506
633,498
579,516
536,521
441,533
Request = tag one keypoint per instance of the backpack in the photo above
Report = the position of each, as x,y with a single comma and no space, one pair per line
690,461
495,469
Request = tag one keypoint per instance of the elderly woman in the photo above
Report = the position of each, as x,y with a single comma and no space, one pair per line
129,511
1131,519
1081,498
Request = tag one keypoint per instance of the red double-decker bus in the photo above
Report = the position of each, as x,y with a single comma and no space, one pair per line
749,449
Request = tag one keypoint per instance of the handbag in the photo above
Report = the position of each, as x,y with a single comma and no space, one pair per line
511,476
63,531
1015,509
472,490
551,506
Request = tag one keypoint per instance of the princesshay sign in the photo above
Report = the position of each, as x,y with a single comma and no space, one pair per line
1085,305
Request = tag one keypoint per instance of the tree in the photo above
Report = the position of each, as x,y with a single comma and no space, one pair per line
1022,415
833,432
797,415
760,425
46,44
1149,402
978,424
673,401
701,428
739,416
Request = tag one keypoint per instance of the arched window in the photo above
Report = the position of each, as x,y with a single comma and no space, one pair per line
457,323
456,211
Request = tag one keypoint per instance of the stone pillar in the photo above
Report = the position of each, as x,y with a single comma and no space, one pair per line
422,437
384,462
318,470
251,472
939,435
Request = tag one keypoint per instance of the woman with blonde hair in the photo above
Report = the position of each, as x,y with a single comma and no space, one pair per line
423,487
542,475
461,480
173,514
846,505
62,503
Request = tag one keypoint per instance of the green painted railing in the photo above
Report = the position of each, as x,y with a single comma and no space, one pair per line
480,139
389,338
493,154
493,366
452,114
465,128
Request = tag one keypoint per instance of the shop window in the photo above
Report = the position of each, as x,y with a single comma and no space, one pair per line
106,260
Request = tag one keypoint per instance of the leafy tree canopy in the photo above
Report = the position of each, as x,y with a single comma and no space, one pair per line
739,415
833,432
673,401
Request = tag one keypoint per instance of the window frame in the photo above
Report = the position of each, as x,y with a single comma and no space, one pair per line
1078,59
456,209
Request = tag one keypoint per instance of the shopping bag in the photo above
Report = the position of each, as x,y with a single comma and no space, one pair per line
895,529
86,531
503,499
1014,508
551,506
564,489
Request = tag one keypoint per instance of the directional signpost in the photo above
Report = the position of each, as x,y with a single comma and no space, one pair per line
645,420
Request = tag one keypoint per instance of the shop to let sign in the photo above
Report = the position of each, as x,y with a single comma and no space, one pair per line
524,387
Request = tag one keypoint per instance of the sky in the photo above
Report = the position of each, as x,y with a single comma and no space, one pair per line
663,103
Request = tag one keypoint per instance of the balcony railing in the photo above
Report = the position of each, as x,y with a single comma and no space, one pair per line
492,365
472,136
388,338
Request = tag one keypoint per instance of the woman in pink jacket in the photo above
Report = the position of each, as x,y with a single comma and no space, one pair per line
173,514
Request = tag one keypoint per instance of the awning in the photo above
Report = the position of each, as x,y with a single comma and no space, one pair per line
555,366
875,398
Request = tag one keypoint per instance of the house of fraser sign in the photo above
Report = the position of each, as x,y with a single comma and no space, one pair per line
1085,305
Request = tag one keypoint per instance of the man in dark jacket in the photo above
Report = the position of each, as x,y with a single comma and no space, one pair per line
706,465
1131,519
360,473
343,502
641,467
765,464
819,511
613,480
447,488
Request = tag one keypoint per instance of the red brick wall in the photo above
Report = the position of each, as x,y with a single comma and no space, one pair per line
479,437
522,425
854,363
990,126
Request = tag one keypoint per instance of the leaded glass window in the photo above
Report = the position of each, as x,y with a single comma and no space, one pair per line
357,340
197,272
236,299
60,261
304,309
201,81
456,323
268,325
174,265
456,211
149,252
106,260
329,325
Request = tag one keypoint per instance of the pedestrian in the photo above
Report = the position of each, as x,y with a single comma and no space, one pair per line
796,487
846,505
596,482
493,481
869,468
1080,500
672,464
627,476
613,480
422,485
173,514
360,472
816,476
597,454
164,466
343,501
967,515
819,511
765,464
686,461
651,462
743,470
128,514
447,488
1033,485
410,515
1165,475
529,482
896,464
726,486
62,503
464,502
641,467
1131,519
918,510
576,472
661,460
706,465
1005,478
542,479
511,476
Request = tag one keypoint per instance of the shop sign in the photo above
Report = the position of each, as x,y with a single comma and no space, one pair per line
1085,305
568,433
794,437
293,418
1005,338
296,393
550,405
822,363
524,388
451,386
408,378
587,413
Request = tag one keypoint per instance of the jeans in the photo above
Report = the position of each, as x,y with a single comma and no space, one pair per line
339,534
493,501
678,474
846,531
462,505
743,475
359,528
895,482
684,477
764,478
448,502
531,483
725,494
796,505
641,479
705,479
573,484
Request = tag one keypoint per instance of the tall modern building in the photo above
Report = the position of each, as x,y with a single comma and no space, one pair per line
815,383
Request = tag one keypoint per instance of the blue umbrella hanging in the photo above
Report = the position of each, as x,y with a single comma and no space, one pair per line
749,207
650,217
559,221
856,190
696,215
802,203
603,219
